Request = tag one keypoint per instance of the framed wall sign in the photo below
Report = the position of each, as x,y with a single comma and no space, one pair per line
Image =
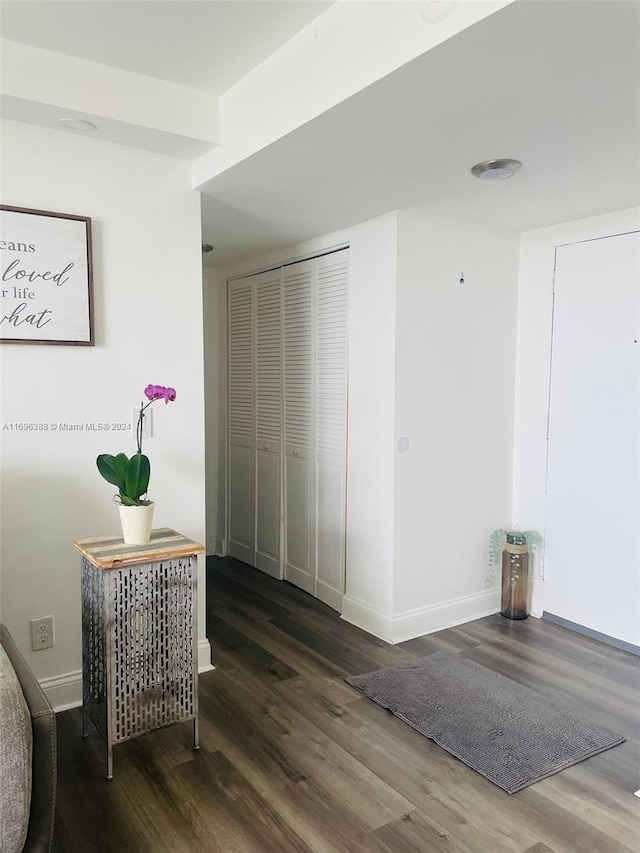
46,280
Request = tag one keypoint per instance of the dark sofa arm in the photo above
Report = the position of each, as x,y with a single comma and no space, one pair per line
44,769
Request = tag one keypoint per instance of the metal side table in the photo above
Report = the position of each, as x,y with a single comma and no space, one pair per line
139,635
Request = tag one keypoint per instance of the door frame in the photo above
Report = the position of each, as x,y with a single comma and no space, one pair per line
532,368
540,574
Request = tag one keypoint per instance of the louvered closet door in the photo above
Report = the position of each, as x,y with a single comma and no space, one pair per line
241,422
268,383
299,509
331,425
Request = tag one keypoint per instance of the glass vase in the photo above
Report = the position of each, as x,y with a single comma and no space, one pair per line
515,577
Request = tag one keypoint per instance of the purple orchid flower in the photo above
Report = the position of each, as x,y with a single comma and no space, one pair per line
153,393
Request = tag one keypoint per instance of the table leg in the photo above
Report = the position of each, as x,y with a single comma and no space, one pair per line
85,733
109,762
196,735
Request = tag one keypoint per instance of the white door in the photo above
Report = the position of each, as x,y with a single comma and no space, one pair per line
592,524
241,512
299,509
331,425
268,384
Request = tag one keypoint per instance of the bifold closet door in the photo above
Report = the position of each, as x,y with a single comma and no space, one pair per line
241,421
299,508
288,423
268,384
331,425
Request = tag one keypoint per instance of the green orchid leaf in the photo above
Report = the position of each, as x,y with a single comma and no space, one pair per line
138,471
120,462
113,469
126,501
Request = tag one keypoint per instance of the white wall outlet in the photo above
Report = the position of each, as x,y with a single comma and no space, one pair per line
147,423
42,633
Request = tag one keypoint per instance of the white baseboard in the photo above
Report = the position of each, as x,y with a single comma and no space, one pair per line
217,547
204,656
367,617
422,620
437,617
65,691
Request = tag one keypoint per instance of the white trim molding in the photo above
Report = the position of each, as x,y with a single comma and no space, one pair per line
423,620
204,656
217,547
65,691
437,617
367,617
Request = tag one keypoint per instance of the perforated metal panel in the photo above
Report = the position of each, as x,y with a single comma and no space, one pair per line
153,654
94,647
139,647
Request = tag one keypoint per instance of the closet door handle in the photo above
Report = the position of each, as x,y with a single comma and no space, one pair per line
295,452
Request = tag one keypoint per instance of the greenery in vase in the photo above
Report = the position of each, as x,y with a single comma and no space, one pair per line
131,475
496,545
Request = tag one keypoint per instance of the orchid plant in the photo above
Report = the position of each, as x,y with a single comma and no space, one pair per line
131,475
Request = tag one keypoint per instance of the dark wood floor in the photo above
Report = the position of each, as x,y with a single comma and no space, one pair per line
293,759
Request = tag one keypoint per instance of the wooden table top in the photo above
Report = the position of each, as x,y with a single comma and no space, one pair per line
110,552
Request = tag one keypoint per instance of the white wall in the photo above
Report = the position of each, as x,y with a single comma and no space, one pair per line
455,365
370,536
211,298
372,279
535,292
148,310
433,361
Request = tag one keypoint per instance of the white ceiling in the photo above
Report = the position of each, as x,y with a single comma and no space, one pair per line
203,44
554,84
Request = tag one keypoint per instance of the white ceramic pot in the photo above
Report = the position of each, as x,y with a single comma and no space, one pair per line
136,523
